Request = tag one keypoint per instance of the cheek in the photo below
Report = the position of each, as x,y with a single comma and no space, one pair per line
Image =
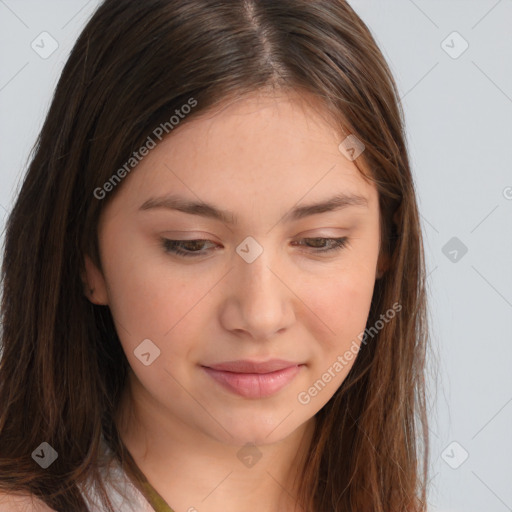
149,300
341,310
338,309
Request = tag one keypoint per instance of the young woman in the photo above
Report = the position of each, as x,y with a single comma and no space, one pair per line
213,277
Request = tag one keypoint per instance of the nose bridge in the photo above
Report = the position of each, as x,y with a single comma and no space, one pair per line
258,281
260,294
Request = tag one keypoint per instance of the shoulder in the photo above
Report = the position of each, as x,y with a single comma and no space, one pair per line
22,503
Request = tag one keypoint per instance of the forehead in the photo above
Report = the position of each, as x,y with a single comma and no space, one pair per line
256,150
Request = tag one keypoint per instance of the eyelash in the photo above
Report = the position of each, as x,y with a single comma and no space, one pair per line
172,246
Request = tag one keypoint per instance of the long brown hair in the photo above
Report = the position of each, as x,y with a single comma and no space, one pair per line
63,368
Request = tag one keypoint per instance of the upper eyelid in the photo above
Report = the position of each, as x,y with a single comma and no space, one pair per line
213,241
176,235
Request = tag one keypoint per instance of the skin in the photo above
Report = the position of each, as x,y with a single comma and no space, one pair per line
22,503
257,157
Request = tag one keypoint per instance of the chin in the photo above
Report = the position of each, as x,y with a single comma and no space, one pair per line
257,429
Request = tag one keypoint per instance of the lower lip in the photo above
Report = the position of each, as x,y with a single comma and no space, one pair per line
254,385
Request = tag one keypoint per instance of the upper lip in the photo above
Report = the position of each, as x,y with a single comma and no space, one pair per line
248,366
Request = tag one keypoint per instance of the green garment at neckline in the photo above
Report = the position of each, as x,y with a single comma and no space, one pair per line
141,482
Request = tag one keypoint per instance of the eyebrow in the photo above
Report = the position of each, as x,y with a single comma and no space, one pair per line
176,202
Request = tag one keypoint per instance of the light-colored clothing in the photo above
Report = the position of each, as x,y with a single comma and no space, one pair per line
123,495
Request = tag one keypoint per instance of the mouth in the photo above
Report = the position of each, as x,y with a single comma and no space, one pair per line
250,379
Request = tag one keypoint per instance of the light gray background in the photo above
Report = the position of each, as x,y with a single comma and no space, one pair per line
458,114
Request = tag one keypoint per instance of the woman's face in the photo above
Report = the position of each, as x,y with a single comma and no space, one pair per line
266,282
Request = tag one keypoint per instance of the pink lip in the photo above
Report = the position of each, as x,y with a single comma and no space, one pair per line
254,380
248,366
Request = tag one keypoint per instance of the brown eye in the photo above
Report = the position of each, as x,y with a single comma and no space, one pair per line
193,248
319,244
185,248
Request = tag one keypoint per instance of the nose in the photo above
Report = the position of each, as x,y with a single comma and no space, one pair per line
259,302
